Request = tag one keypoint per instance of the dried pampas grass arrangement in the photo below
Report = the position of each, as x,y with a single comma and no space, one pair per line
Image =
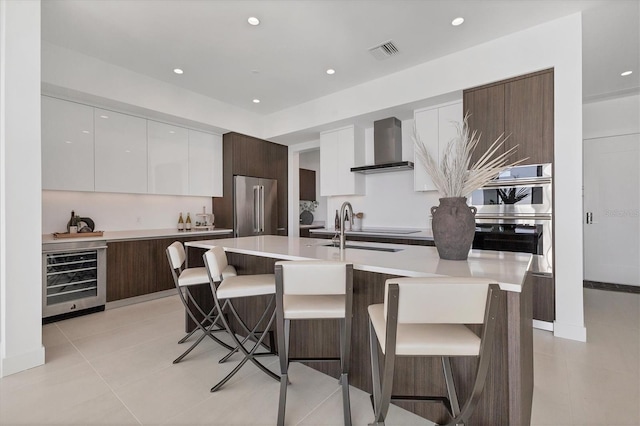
455,176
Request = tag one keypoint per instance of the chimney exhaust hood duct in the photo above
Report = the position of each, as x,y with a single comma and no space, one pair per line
387,148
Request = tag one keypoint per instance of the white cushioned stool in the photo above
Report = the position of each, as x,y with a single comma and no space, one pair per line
231,287
314,289
184,278
427,317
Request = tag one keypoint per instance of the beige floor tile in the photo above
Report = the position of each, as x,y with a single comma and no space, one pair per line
54,392
330,412
128,336
111,319
162,395
57,358
52,336
544,342
551,377
105,409
548,410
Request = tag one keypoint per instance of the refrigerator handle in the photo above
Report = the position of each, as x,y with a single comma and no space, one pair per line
256,208
261,208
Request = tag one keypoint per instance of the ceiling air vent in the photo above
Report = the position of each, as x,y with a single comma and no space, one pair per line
384,51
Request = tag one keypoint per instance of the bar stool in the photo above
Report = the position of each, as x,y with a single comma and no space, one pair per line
314,290
228,288
184,278
427,317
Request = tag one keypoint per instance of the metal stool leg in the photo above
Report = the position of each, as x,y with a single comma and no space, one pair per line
248,355
345,354
283,328
206,330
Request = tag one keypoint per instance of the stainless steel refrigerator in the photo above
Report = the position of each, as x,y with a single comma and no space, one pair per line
255,210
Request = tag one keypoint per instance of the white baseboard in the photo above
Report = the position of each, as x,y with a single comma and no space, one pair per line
16,364
543,325
139,299
570,331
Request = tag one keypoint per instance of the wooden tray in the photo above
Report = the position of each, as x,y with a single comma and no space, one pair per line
57,235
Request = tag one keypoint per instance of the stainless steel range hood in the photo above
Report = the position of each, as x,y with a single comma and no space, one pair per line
387,148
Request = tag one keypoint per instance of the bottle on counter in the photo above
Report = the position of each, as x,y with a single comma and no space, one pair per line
337,221
180,223
73,223
187,223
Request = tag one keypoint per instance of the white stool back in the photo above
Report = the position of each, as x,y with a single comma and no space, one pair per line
442,300
314,277
176,255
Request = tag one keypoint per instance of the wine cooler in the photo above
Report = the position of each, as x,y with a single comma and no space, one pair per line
74,277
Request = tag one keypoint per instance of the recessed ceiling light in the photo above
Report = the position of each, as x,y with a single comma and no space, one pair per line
458,21
172,131
256,101
104,116
85,132
331,71
67,141
253,21
127,150
626,73
178,71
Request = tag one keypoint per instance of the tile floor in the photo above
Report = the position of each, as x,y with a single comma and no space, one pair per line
114,368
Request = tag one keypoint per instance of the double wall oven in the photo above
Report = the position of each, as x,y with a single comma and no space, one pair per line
515,214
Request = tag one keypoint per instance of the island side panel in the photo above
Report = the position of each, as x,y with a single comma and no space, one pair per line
520,315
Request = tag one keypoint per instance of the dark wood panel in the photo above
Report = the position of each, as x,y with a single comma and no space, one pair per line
307,185
507,395
525,114
544,306
486,115
547,117
130,269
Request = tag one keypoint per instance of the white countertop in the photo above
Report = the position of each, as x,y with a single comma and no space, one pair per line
137,235
509,269
422,234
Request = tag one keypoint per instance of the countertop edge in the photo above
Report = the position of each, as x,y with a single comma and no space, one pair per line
506,286
143,234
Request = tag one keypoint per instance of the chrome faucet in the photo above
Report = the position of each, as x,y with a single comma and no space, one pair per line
345,205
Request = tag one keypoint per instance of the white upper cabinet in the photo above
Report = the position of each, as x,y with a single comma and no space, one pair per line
436,127
67,145
168,159
205,164
121,152
340,150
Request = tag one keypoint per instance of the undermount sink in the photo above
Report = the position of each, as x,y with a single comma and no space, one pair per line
393,250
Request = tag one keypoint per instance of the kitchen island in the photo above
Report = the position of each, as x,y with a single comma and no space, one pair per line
509,387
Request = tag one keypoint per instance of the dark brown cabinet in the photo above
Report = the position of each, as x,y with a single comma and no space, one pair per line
248,156
521,108
544,306
139,267
307,185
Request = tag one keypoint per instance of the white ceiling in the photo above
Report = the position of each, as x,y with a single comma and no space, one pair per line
283,60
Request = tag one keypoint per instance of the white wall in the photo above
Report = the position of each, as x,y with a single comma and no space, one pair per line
310,160
118,212
20,177
611,117
556,44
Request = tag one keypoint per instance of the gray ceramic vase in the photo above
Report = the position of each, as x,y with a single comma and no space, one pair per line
453,227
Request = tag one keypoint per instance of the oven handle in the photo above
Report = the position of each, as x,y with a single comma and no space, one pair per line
520,217
517,182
